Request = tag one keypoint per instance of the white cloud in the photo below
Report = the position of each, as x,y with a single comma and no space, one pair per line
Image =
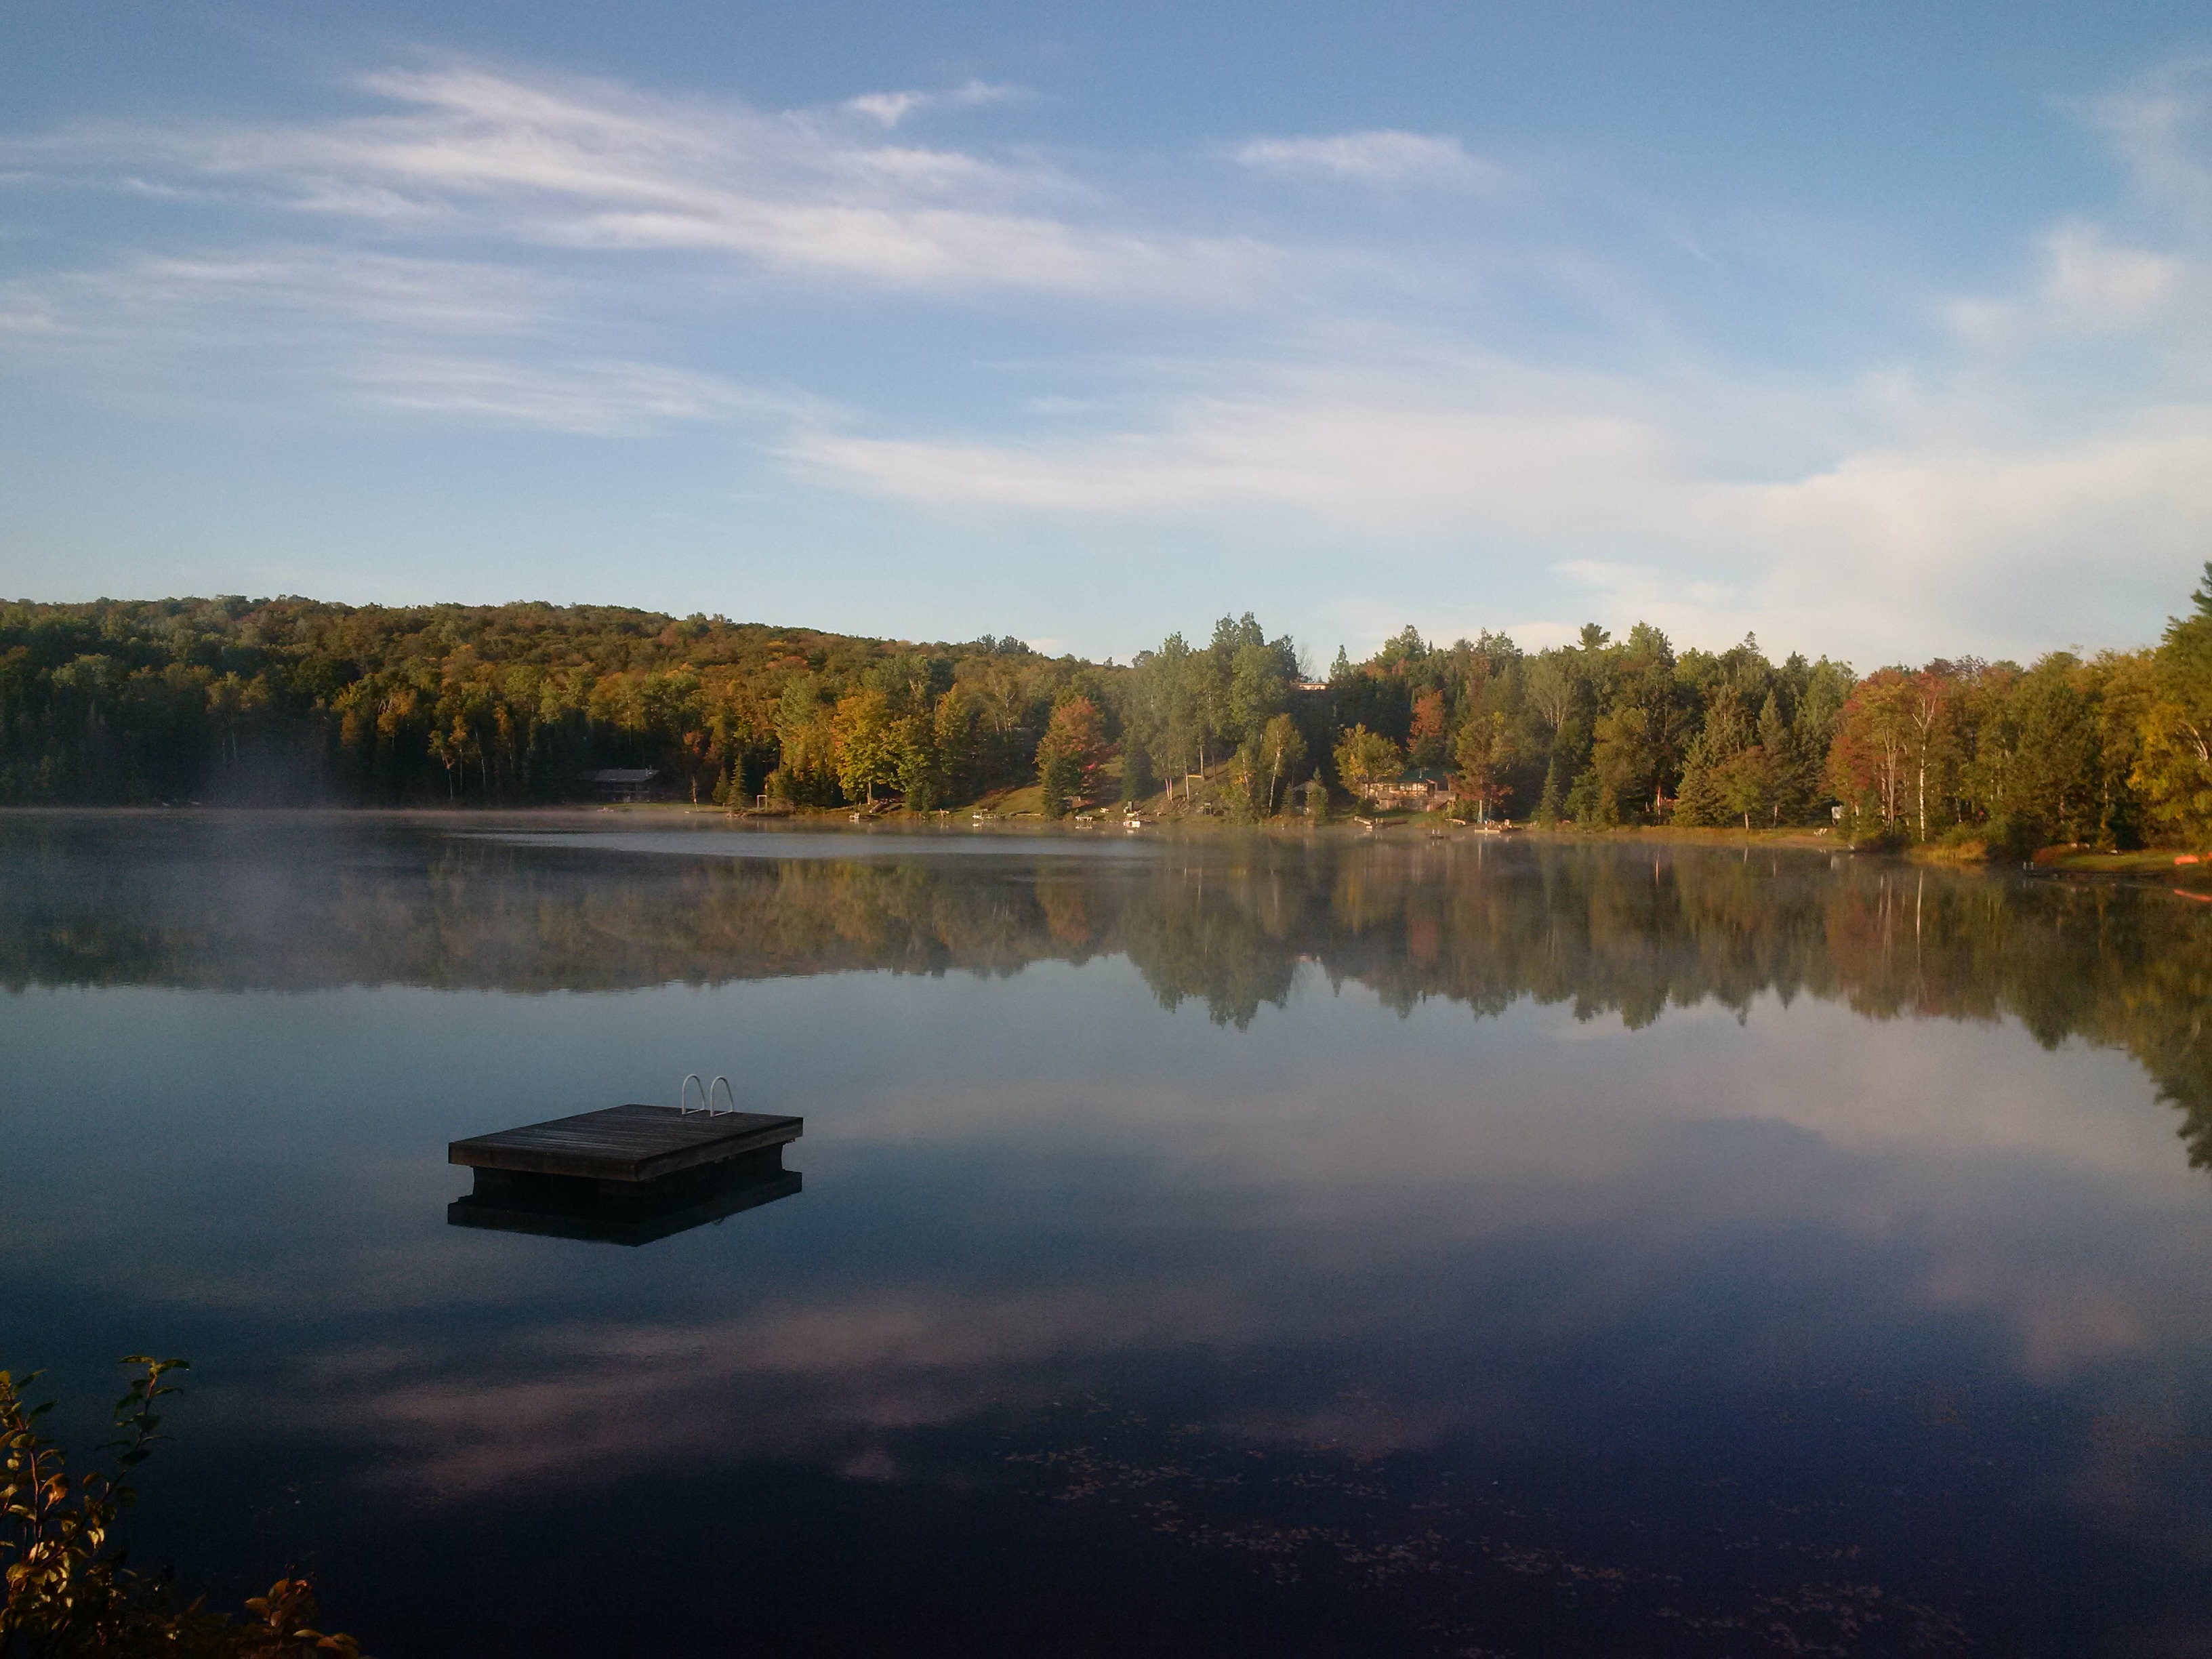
384,330
1360,445
1913,553
601,399
889,108
1913,509
588,165
2162,128
1940,546
2089,278
184,298
1383,157
2087,284
489,238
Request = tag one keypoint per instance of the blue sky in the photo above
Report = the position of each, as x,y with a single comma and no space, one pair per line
1881,330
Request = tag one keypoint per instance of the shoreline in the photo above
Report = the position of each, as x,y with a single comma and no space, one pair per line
2175,864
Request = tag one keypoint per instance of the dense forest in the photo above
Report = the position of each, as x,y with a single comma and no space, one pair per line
290,700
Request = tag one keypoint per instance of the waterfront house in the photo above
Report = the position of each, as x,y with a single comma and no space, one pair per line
1415,789
623,783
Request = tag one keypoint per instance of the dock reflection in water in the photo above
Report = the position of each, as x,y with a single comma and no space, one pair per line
570,1206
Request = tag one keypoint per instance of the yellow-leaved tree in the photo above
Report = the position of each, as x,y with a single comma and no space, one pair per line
2173,770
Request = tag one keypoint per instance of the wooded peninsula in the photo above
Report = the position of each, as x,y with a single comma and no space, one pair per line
293,701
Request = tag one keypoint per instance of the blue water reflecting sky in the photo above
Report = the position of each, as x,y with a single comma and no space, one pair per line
1356,1317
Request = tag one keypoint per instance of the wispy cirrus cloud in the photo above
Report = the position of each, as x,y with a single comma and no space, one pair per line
588,165
475,245
1868,513
609,398
481,344
889,108
478,248
194,297
527,215
1380,157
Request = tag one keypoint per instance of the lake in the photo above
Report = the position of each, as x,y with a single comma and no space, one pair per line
1322,1246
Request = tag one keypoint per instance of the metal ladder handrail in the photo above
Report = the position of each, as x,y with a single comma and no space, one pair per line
706,1096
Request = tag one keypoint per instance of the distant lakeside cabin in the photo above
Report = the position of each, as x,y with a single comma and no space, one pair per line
623,783
1415,789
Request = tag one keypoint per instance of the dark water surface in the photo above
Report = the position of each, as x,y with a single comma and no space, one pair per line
1227,1249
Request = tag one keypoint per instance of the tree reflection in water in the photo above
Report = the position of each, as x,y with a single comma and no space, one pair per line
1610,929
1698,1341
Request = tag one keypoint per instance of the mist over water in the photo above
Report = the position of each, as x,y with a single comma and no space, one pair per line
1226,1246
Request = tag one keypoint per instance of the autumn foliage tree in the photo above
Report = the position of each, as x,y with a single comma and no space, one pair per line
1482,754
1868,760
1365,758
866,738
1069,755
2175,770
1427,745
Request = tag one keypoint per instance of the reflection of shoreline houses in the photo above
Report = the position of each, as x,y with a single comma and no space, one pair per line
1417,788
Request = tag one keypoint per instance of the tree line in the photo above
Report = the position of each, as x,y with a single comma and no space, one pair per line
291,699
294,700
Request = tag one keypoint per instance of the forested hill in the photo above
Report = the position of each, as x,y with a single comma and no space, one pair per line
291,700
294,700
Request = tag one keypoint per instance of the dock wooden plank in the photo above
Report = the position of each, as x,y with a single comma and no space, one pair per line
625,1143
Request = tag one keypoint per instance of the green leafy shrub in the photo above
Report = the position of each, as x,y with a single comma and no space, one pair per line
68,1589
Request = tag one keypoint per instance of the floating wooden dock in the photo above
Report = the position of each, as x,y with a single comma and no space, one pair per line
627,1174
628,1143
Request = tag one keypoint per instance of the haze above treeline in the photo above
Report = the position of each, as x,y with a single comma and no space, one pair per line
294,701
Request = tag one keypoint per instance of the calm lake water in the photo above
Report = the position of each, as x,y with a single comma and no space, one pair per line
1394,1247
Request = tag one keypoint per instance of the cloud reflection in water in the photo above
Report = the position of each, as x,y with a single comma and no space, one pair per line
1651,1187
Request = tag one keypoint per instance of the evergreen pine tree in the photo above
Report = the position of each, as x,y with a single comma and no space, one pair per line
1137,782
1785,798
